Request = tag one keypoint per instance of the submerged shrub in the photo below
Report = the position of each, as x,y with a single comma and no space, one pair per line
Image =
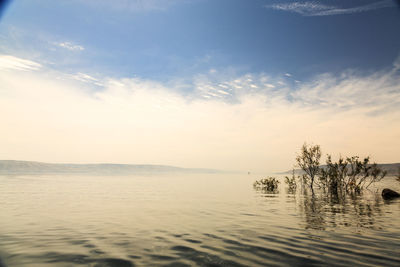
308,161
268,184
346,175
291,182
350,174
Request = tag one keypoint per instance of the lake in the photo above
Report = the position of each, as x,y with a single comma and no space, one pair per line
190,220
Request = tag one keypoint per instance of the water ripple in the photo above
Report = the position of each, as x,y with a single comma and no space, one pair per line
122,221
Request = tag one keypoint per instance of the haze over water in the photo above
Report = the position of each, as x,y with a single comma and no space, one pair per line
189,220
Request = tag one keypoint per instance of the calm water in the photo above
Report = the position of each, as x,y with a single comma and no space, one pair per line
187,220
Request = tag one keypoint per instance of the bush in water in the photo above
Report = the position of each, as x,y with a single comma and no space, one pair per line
268,184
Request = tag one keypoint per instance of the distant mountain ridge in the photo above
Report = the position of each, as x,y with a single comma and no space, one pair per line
390,168
33,167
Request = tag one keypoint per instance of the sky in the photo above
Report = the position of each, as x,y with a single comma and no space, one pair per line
226,84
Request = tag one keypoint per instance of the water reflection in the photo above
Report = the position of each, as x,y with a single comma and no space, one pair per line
311,209
334,211
321,210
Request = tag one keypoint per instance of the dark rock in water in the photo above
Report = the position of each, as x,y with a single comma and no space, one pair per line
389,194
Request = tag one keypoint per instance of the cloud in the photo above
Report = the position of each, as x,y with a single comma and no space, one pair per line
70,46
226,122
15,63
318,9
373,94
86,78
376,94
303,8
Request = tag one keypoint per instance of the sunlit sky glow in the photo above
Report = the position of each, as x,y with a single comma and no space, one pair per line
236,85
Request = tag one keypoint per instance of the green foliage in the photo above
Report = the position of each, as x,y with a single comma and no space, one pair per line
291,182
268,184
308,161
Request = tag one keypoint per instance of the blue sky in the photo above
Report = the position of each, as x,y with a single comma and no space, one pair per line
216,73
160,39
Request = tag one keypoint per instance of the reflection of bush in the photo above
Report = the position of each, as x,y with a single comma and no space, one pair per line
322,211
269,184
312,209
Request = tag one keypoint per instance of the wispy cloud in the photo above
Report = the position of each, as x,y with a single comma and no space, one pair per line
377,93
238,122
15,63
70,46
86,78
318,9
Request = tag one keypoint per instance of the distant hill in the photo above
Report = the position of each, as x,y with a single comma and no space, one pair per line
32,167
391,168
